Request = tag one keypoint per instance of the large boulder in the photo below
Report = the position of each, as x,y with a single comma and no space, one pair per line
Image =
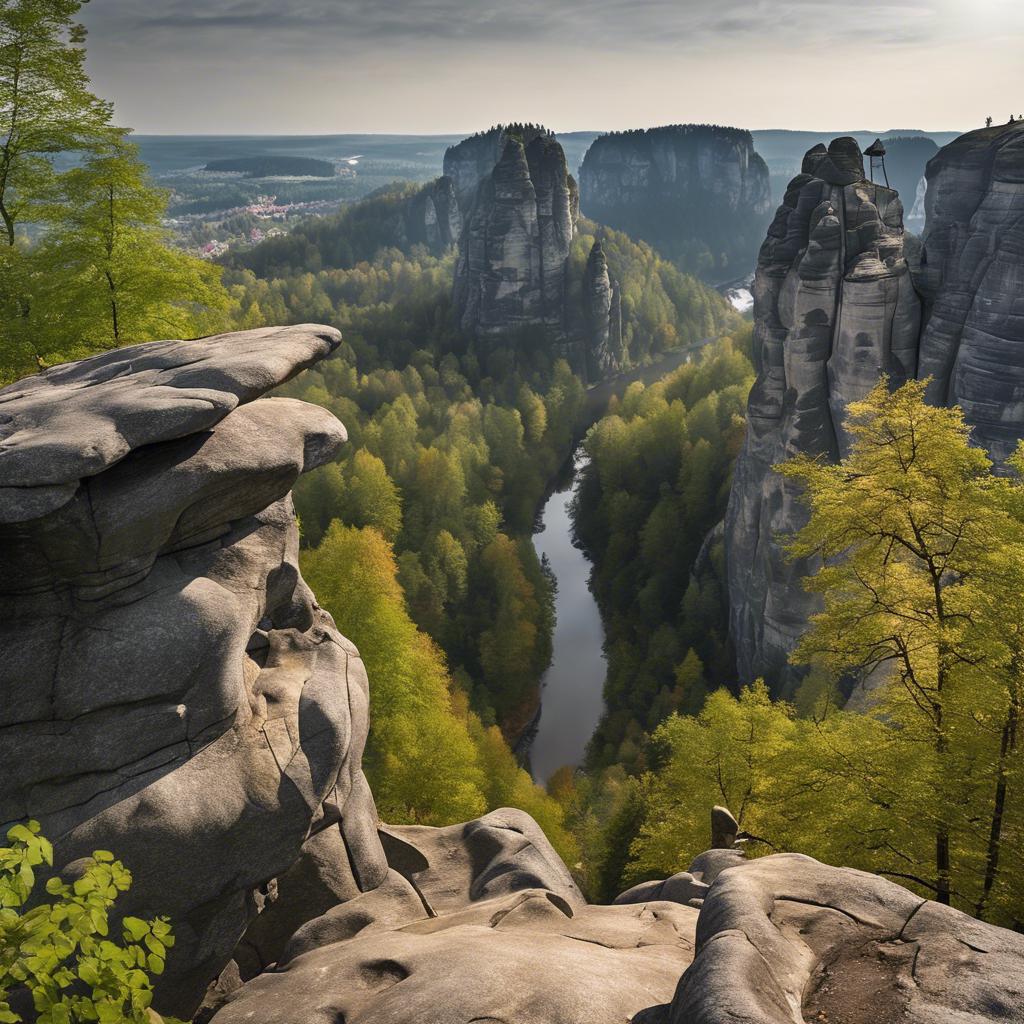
171,689
476,922
786,940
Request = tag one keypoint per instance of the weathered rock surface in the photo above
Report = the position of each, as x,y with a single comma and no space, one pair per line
482,924
835,306
433,217
785,939
467,163
602,315
511,270
171,690
972,281
699,194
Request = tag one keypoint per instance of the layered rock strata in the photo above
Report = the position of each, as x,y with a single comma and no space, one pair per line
699,194
514,250
171,689
835,306
468,162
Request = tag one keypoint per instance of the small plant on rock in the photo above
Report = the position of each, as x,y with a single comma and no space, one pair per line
56,948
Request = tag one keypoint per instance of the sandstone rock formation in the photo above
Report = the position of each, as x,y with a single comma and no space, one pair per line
835,306
511,270
602,314
972,281
468,162
784,940
433,217
699,194
171,690
480,922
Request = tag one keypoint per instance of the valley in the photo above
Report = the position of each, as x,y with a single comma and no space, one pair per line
510,575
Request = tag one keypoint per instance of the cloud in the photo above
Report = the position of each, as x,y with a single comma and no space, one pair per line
608,25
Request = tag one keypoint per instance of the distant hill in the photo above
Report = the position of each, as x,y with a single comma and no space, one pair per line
274,167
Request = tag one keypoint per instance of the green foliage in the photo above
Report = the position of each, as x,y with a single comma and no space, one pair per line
429,759
60,951
85,264
921,777
655,485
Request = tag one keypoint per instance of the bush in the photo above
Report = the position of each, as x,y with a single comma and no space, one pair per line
58,951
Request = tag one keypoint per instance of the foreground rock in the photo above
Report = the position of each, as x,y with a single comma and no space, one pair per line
699,194
784,940
172,691
483,923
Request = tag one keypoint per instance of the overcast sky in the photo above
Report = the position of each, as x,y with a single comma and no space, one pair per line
335,66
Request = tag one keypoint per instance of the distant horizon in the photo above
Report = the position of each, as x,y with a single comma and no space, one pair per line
306,67
557,131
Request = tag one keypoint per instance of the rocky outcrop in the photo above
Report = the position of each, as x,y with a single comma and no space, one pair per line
699,194
602,315
433,217
481,922
476,922
171,689
784,940
835,306
511,269
467,163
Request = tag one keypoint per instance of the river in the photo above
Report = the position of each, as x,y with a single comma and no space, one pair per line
571,699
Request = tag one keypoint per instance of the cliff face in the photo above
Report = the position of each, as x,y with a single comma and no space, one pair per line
511,269
972,282
171,689
835,306
433,217
473,159
697,193
602,314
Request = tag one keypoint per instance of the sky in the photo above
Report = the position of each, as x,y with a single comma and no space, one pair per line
447,66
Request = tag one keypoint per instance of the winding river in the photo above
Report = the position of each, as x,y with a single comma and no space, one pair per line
571,699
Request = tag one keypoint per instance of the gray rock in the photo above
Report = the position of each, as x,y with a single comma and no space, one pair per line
433,216
972,281
784,939
602,315
699,194
468,162
488,927
172,691
513,253
834,306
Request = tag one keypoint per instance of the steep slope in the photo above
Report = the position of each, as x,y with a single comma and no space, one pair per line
698,193
515,247
835,306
